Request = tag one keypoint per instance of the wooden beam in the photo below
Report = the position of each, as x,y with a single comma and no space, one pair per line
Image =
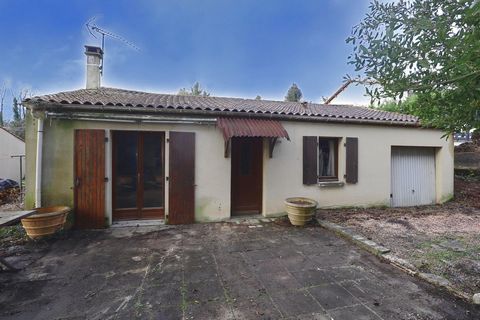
227,148
271,146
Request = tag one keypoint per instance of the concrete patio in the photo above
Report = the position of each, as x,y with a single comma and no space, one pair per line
215,271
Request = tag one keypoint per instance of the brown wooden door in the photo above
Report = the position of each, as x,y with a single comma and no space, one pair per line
89,179
138,182
182,178
247,163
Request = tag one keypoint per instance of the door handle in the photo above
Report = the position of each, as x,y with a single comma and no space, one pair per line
77,182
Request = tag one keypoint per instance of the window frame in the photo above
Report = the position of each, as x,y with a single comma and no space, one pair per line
336,141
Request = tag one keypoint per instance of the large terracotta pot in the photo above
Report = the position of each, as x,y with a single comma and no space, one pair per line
46,221
300,210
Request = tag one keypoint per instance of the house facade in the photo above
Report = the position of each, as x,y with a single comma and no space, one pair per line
11,147
115,154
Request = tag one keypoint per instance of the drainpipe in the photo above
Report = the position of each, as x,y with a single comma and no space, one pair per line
38,166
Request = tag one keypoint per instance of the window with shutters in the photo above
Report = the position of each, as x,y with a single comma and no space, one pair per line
327,158
320,159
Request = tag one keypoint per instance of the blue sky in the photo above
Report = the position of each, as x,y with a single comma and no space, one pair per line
233,48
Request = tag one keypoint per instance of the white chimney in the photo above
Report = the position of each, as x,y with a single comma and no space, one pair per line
94,63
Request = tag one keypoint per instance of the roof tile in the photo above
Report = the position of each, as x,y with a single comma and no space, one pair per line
136,99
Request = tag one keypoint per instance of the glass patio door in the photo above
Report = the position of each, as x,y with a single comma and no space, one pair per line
138,175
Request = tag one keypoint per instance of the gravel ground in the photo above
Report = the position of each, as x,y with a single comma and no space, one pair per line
441,239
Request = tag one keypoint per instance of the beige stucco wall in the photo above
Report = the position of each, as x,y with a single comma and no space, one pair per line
212,172
10,146
283,173
282,176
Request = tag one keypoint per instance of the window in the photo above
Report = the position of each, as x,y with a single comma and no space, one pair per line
320,159
327,158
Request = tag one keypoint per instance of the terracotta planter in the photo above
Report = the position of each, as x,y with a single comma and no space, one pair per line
300,210
46,221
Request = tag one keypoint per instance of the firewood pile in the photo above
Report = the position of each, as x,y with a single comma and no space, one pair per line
9,195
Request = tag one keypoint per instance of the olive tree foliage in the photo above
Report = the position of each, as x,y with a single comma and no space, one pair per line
407,105
426,48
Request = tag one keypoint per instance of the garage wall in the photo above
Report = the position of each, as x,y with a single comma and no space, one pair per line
283,173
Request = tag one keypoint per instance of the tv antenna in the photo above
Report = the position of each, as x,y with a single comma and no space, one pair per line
93,28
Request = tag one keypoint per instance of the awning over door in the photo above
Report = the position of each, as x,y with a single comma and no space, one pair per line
244,127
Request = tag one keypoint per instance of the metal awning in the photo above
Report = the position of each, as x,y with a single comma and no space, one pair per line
245,127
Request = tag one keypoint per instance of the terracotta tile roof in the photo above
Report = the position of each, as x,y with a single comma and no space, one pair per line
227,106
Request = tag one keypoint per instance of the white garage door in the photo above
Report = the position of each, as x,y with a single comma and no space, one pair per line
413,176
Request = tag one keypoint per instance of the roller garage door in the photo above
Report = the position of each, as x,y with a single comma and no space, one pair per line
413,176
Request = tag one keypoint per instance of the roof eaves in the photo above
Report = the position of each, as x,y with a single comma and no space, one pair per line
44,106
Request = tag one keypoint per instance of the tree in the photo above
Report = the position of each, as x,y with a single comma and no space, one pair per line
294,94
17,114
428,48
406,106
258,97
3,92
196,90
17,125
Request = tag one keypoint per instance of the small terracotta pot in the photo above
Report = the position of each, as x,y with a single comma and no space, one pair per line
46,221
300,210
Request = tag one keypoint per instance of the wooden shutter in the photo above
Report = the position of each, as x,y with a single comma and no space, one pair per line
89,179
352,160
182,178
310,173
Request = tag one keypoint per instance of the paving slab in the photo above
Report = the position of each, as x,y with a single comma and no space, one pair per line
312,277
357,312
216,271
261,307
332,296
204,291
294,303
279,281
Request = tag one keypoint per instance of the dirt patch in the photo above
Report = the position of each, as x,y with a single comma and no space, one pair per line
12,236
441,239
467,191
468,147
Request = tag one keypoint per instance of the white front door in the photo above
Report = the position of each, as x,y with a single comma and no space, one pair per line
413,176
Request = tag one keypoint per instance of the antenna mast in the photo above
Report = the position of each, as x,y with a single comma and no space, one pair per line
93,28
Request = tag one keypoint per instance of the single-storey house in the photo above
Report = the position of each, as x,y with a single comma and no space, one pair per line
115,154
12,147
